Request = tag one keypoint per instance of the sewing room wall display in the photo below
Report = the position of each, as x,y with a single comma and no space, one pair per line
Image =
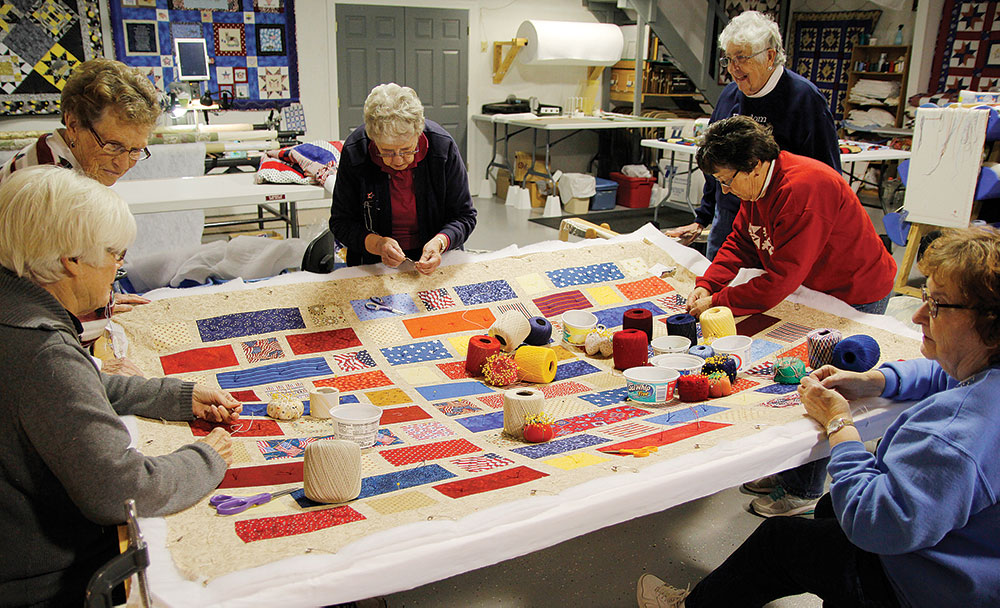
821,49
41,41
966,55
250,43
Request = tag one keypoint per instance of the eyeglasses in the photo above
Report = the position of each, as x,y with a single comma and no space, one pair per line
933,305
401,154
728,184
114,148
118,255
738,59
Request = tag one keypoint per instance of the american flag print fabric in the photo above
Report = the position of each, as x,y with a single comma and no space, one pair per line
262,350
672,303
480,464
435,299
502,308
558,303
286,448
354,362
789,332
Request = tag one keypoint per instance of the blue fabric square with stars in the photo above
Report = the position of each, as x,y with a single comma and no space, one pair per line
582,275
778,389
558,446
482,422
415,353
688,414
605,398
572,369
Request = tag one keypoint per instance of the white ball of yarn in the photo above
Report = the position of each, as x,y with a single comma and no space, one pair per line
284,407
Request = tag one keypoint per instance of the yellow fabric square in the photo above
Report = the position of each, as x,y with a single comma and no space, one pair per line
604,295
562,353
575,461
460,344
533,283
389,396
419,375
403,501
607,380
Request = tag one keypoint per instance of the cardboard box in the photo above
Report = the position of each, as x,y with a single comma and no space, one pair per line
577,205
539,190
503,182
522,160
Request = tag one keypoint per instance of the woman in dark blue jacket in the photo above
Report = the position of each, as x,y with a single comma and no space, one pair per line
402,190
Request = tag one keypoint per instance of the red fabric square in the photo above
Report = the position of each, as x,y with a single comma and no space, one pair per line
646,288
199,359
455,370
403,414
244,427
321,341
250,530
355,382
562,389
743,384
493,481
428,451
799,352
600,418
494,400
263,475
755,324
665,437
245,396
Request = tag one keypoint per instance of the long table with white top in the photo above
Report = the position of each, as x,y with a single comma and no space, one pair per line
217,191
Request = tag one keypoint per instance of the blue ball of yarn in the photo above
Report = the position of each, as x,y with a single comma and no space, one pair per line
540,331
857,353
702,350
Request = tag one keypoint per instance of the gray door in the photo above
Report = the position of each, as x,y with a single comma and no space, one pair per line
423,48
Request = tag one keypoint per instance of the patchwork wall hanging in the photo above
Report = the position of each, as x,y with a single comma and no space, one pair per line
250,44
41,41
967,55
441,453
820,50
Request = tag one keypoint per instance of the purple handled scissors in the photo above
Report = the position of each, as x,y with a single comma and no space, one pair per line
231,505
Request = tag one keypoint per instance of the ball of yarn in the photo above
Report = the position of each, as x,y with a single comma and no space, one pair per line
598,341
693,387
500,369
510,329
721,363
285,407
683,325
480,347
331,472
789,370
717,322
536,363
820,344
631,349
857,353
540,333
719,385
702,350
641,319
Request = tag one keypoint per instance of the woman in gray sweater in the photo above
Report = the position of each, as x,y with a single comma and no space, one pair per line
66,467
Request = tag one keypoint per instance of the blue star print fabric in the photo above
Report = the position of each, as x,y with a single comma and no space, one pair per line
582,275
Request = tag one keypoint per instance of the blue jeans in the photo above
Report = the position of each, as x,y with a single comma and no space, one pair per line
722,225
876,308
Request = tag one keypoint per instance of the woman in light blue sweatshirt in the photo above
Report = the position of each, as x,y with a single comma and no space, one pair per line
918,522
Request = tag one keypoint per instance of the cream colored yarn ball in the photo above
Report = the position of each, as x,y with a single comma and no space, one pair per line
284,407
332,471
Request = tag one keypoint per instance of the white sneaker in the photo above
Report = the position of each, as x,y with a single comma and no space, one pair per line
651,592
778,503
764,485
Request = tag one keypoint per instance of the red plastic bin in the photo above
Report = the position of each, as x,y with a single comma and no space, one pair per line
633,191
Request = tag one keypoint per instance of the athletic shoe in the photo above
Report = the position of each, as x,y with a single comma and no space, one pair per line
779,503
764,485
651,592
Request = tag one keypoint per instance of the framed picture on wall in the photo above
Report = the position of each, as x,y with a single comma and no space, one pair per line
141,38
270,39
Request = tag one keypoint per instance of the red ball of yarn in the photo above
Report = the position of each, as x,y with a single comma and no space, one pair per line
480,347
692,387
630,348
641,319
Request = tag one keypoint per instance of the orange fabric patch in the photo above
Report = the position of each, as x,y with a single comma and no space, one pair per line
646,288
449,323
355,382
389,396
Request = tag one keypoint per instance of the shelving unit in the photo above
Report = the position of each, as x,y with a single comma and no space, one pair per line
865,61
662,81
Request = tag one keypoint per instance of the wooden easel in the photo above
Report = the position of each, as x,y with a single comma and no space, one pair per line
913,238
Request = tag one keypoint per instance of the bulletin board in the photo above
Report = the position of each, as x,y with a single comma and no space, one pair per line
251,45
41,41
441,454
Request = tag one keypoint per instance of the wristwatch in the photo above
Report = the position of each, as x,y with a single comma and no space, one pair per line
837,423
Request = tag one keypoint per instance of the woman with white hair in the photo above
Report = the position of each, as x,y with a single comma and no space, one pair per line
798,114
66,468
402,191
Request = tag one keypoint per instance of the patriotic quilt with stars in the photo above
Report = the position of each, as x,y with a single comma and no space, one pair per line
441,452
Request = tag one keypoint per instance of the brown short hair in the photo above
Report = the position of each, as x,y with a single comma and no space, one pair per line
104,84
969,259
736,143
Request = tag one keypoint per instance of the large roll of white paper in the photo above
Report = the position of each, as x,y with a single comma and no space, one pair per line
570,43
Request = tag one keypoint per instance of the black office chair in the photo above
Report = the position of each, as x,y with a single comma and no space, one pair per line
320,255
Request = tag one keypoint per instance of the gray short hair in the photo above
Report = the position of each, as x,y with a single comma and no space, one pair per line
756,30
393,111
48,212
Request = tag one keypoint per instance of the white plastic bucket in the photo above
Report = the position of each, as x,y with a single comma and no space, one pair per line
651,384
737,347
670,344
682,362
357,422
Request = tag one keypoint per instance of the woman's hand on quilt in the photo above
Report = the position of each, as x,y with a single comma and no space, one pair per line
214,405
852,385
699,301
125,302
822,404
430,258
222,442
385,247
685,235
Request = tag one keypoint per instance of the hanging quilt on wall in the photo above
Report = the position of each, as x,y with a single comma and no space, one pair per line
250,44
967,55
41,41
821,46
